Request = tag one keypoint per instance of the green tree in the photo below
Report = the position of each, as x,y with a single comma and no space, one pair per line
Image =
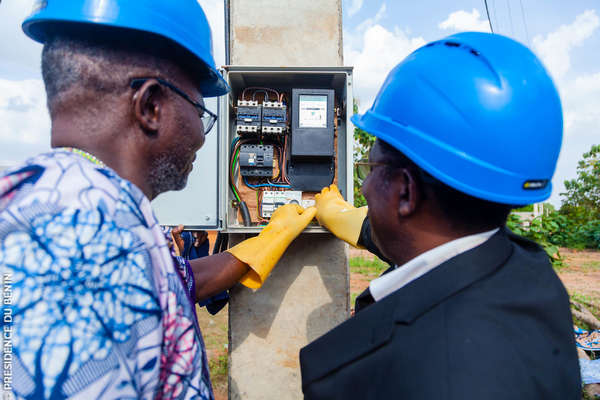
581,200
363,142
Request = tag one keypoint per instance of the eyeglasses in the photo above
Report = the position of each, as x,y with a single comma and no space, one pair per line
363,168
208,118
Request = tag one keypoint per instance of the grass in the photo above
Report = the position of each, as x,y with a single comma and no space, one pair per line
590,266
353,297
367,267
589,302
214,331
218,371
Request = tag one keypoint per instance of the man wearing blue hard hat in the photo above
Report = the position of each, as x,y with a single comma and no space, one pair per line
101,308
467,128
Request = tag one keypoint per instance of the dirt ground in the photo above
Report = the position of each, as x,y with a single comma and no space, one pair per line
580,275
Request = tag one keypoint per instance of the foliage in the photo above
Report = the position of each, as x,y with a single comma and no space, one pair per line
363,142
555,229
583,192
540,230
577,223
527,208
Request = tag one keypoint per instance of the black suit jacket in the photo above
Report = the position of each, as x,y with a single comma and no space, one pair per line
491,323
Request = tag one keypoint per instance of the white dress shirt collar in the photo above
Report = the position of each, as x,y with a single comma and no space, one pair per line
423,263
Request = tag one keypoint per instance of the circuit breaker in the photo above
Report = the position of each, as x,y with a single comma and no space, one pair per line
274,118
248,117
256,160
284,134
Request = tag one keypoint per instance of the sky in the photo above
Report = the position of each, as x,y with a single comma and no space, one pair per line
378,34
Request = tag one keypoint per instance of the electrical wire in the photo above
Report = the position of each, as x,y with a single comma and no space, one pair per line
259,88
524,22
512,31
266,95
284,160
235,151
495,15
488,15
264,185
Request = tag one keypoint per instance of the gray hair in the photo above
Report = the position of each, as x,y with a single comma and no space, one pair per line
75,65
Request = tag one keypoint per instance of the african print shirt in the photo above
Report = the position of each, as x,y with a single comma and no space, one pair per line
99,307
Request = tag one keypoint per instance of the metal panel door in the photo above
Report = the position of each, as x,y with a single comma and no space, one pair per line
197,205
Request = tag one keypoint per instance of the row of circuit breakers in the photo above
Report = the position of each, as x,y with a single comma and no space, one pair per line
284,148
268,118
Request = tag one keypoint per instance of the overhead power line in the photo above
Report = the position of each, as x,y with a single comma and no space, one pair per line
487,11
495,16
512,31
524,22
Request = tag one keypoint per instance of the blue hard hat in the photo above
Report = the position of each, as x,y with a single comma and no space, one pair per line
181,21
477,111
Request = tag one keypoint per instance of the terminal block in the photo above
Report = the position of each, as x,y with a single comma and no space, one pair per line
272,200
248,117
274,118
256,160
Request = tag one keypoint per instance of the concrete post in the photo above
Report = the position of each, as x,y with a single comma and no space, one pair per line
308,292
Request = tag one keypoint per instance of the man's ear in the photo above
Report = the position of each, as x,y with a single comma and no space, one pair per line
147,106
409,193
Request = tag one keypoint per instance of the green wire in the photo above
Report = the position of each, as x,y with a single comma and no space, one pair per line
235,158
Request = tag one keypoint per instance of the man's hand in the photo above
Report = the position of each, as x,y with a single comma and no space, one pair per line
262,252
340,217
177,239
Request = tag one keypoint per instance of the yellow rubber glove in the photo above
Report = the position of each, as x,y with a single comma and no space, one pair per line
262,252
338,216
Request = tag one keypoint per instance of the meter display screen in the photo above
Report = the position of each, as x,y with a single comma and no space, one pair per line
313,111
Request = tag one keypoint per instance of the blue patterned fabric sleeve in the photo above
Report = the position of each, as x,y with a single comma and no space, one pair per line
85,310
99,310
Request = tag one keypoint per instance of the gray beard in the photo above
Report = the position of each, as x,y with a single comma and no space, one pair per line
165,175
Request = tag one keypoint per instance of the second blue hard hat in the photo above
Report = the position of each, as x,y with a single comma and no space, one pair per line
181,21
477,111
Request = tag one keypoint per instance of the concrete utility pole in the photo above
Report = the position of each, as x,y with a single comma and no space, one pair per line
307,293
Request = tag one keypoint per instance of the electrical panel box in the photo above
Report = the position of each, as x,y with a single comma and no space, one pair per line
284,134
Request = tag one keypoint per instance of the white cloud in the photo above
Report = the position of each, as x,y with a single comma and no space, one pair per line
580,95
25,120
382,50
373,51
355,7
369,22
22,53
555,48
581,101
465,21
